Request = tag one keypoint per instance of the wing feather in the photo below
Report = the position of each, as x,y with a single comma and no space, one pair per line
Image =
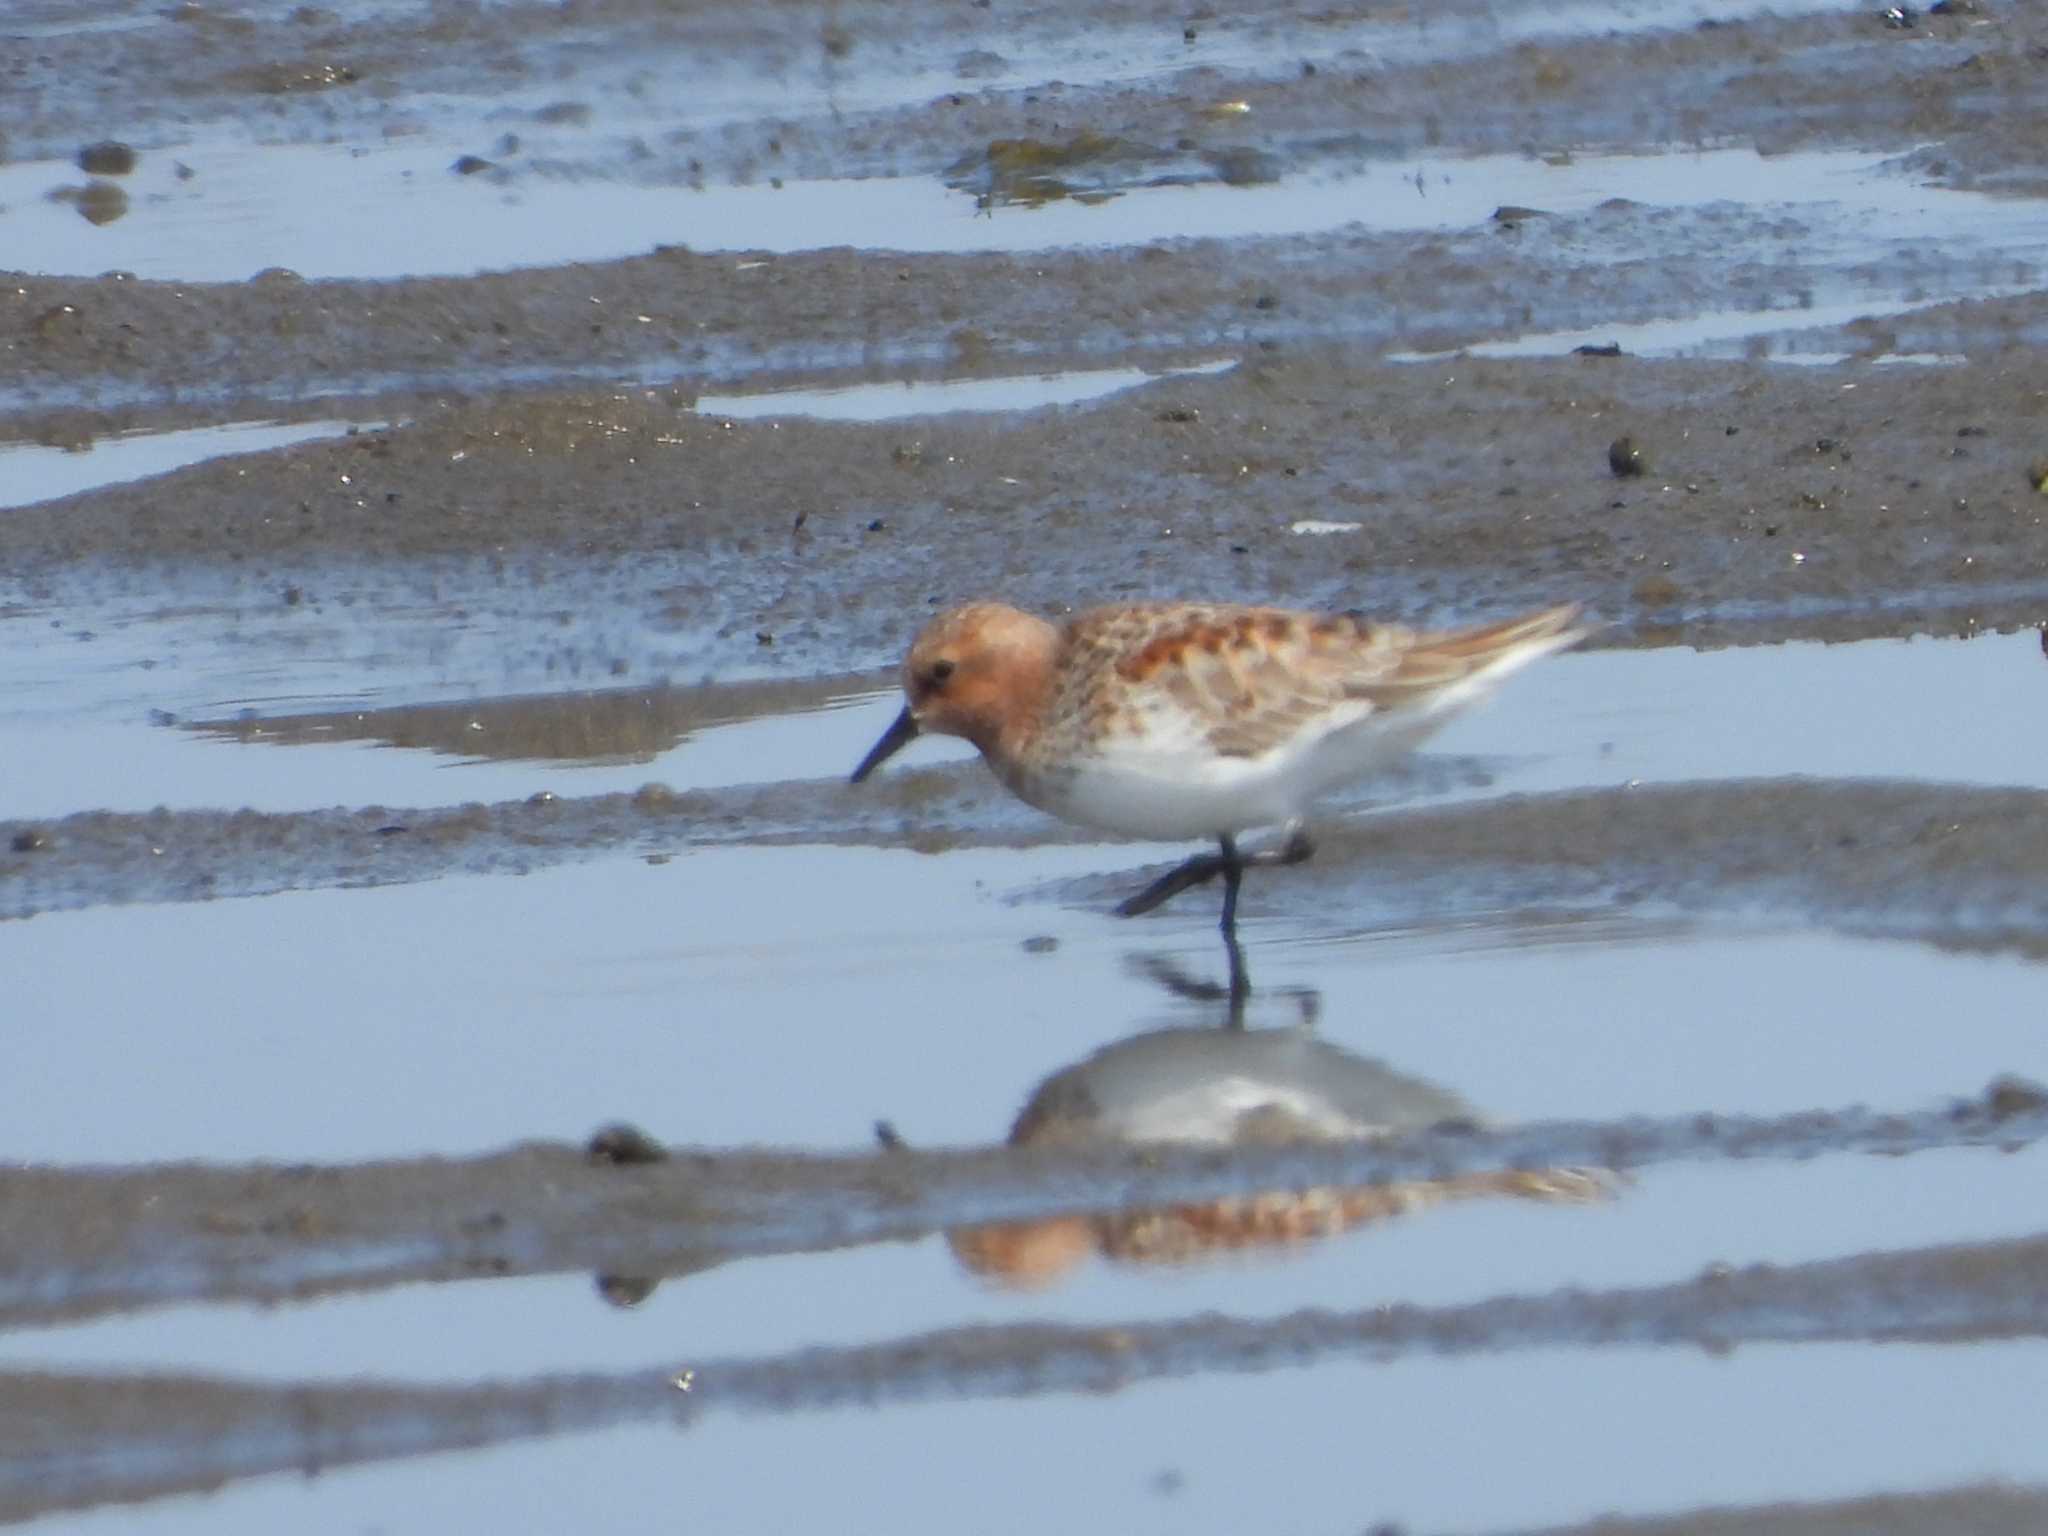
1250,681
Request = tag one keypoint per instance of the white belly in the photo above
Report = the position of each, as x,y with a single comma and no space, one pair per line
1184,790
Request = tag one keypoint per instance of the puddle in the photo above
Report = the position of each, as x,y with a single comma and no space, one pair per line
1591,719
1671,1222
585,729
1821,711
30,472
594,77
329,637
794,996
476,1012
937,397
333,212
1365,1441
649,997
68,21
494,750
1366,1444
1726,333
1882,359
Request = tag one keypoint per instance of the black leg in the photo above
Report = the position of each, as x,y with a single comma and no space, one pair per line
1204,867
1199,870
1233,877
1240,979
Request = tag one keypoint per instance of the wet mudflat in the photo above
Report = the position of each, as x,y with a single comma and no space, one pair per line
466,476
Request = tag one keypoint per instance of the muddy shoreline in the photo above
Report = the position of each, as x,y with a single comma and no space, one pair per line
271,1233
536,269
1516,73
226,1429
1780,504
266,1232
1944,864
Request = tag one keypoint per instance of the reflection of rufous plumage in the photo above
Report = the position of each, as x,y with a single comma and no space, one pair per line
1232,1088
1039,1253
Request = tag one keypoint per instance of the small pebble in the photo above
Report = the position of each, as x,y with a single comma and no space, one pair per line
1625,457
109,157
625,1290
621,1144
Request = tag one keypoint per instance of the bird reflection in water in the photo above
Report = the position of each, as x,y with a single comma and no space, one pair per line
1204,1086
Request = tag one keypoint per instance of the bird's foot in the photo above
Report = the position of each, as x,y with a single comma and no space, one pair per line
1204,867
1199,870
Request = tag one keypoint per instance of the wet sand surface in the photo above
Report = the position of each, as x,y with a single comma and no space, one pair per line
467,474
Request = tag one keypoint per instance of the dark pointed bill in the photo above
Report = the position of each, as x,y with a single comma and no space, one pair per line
894,740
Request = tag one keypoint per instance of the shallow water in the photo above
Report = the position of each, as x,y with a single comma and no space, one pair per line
1667,1224
1935,1415
740,997
1594,719
337,211
32,473
1792,333
929,957
649,990
910,397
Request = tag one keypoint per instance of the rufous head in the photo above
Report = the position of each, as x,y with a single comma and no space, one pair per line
978,671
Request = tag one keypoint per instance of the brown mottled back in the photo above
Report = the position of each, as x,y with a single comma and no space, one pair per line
1256,676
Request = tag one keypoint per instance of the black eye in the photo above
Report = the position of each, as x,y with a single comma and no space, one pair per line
941,670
